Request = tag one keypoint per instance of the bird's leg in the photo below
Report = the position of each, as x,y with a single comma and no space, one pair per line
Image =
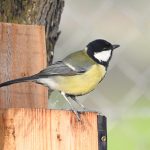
73,109
74,98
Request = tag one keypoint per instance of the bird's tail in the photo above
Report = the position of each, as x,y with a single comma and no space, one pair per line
24,79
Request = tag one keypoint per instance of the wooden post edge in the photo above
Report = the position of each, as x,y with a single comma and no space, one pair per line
102,132
36,129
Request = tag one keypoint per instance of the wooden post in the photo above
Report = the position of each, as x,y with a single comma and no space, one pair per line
22,53
42,129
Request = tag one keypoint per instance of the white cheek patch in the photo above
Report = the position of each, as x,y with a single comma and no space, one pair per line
102,56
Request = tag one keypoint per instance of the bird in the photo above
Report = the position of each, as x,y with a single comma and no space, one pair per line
77,74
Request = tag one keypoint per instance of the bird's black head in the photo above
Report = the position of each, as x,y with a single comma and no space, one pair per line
101,51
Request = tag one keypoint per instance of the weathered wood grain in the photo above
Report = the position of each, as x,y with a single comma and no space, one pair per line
42,129
22,53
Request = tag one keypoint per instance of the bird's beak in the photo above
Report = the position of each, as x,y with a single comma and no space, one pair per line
115,46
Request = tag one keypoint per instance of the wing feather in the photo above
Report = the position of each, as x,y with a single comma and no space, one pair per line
60,68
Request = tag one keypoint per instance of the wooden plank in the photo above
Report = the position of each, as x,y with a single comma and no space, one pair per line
42,129
22,53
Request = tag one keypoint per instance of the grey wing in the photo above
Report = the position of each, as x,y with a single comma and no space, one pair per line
59,68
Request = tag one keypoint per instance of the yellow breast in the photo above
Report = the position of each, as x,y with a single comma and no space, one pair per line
83,83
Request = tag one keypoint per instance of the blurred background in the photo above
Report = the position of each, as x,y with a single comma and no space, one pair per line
124,95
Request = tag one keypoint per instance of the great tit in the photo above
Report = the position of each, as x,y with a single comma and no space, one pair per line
77,74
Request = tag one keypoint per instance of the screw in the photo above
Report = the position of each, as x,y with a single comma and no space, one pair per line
103,138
